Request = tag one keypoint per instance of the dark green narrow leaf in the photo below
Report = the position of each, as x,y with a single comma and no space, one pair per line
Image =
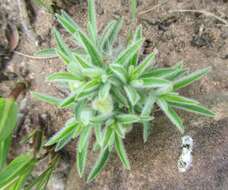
121,152
171,114
99,165
45,98
126,55
95,56
186,80
195,108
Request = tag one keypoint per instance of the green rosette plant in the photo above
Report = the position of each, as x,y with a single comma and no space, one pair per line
111,88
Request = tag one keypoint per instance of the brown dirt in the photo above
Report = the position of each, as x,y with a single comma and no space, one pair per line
198,40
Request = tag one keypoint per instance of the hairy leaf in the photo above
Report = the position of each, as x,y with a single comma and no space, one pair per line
99,165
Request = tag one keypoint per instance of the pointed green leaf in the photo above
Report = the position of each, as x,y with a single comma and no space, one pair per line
133,8
99,165
165,73
82,62
69,100
67,22
110,33
175,98
84,138
4,149
195,108
64,76
151,82
81,158
137,36
126,55
104,90
69,127
132,95
119,96
186,80
95,56
121,152
92,17
14,169
147,127
45,98
107,136
120,72
126,119
64,140
171,114
61,45
46,53
142,67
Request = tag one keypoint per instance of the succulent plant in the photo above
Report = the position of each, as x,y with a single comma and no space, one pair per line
112,88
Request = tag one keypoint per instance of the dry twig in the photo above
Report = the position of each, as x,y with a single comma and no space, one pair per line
206,13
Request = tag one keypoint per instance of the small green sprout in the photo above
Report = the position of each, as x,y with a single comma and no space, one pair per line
109,92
